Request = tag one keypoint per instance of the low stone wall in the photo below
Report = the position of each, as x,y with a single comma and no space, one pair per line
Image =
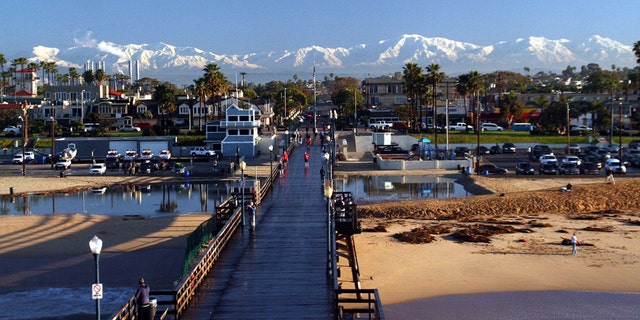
386,162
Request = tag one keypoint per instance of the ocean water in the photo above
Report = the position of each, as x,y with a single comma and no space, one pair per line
61,303
560,305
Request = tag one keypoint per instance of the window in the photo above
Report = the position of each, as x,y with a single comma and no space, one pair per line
244,118
233,132
141,108
184,109
232,118
244,132
76,112
73,96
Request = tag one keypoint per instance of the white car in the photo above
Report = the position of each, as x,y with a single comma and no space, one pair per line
130,128
164,154
615,166
491,127
572,159
63,164
548,159
28,157
98,168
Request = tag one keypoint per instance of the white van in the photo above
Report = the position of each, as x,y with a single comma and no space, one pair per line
88,127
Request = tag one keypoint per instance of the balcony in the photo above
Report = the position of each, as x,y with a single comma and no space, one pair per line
240,124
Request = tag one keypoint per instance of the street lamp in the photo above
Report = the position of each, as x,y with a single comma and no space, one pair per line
53,142
243,165
286,134
271,159
95,245
328,192
326,158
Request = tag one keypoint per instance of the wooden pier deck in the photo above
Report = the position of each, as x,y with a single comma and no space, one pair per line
278,271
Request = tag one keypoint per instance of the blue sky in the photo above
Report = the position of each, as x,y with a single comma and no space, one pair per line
235,27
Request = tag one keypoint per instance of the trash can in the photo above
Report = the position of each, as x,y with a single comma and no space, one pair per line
153,307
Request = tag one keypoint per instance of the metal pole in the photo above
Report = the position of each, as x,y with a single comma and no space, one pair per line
620,132
611,132
568,129
53,140
478,135
242,190
96,257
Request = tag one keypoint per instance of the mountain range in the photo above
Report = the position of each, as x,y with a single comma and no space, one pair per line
180,65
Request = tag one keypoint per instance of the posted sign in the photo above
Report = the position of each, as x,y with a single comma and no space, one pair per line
96,291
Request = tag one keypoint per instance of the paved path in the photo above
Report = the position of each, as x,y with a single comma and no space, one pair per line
277,271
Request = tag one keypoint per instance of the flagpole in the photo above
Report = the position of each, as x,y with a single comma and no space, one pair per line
315,105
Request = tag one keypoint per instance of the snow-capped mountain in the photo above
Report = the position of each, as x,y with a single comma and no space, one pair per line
183,64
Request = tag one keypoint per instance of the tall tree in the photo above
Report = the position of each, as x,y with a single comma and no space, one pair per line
18,62
101,76
3,61
216,81
413,81
636,50
73,75
433,77
200,90
88,77
165,97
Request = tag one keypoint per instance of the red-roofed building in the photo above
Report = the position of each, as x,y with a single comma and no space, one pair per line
26,83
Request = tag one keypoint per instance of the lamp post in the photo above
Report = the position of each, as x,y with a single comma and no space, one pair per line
243,165
95,245
326,158
334,117
286,135
328,192
568,129
620,131
82,107
611,132
53,142
271,159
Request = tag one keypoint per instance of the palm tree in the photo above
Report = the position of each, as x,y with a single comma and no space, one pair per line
636,50
433,77
200,90
3,61
21,62
101,76
412,75
74,75
216,81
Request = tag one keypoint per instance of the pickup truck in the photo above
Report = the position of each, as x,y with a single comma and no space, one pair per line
201,152
381,125
460,126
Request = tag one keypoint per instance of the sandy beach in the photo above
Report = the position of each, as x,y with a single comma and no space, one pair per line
53,250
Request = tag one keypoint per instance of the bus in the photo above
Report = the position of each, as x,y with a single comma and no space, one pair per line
522,126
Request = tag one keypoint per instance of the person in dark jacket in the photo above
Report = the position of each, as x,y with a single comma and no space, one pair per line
142,298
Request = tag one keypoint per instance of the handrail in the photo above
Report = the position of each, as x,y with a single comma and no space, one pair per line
348,305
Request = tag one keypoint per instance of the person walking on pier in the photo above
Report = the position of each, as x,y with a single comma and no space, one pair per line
251,210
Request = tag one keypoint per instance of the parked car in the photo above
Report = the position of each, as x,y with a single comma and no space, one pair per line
28,157
581,128
164,154
490,168
484,150
201,152
589,168
11,130
538,150
462,152
129,128
98,168
569,168
508,147
495,149
525,168
491,127
572,149
615,165
572,159
634,144
146,154
548,168
63,164
549,159
112,162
